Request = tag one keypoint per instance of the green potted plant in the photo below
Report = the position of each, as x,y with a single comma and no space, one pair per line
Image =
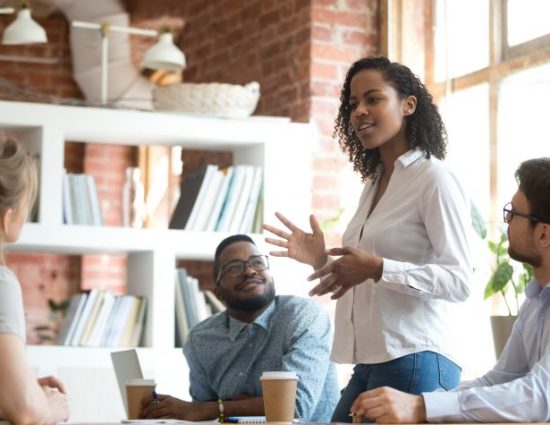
508,279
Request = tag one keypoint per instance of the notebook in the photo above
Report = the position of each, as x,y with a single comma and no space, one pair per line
126,366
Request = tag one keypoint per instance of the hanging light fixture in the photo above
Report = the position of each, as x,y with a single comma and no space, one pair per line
24,30
163,55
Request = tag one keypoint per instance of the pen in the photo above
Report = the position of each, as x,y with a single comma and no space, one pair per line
155,397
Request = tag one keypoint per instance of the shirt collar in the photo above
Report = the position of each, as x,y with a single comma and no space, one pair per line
534,289
236,326
411,156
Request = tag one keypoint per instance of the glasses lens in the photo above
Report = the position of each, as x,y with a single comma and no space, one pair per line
234,268
258,262
507,213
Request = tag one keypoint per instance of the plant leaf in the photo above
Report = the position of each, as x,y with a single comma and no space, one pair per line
499,280
477,221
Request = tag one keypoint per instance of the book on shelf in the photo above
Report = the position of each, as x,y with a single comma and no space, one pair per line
211,195
242,199
247,222
182,327
91,320
93,200
80,200
67,206
140,323
102,319
72,316
214,214
211,171
235,188
84,317
189,191
100,324
130,323
191,306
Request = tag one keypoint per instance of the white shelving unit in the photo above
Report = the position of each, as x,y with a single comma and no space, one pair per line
282,148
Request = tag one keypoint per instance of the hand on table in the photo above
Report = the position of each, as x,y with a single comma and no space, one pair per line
387,405
168,407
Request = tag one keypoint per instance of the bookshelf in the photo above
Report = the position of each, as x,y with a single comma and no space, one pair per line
281,148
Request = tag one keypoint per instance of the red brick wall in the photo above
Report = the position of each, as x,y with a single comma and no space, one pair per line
298,50
342,32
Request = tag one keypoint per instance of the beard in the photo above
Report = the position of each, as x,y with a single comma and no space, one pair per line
532,259
250,304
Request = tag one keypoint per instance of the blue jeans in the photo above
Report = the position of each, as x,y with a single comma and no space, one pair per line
414,373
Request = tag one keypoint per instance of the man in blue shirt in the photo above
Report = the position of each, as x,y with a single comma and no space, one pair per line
517,389
258,332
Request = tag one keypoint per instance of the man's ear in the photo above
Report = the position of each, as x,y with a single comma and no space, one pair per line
409,105
542,235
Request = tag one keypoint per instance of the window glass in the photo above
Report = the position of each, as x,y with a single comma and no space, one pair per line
461,37
523,124
527,20
466,116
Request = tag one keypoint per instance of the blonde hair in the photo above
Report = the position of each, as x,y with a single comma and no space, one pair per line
18,179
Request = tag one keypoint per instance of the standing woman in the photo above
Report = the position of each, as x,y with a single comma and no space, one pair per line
23,398
405,253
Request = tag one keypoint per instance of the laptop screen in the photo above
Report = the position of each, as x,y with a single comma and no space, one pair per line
126,366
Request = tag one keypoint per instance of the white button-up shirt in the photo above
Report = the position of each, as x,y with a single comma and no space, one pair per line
517,389
421,227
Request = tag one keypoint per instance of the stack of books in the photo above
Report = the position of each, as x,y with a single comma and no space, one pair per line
80,200
101,319
216,199
192,304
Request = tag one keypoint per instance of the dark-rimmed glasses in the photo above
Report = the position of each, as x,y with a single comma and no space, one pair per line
508,213
236,268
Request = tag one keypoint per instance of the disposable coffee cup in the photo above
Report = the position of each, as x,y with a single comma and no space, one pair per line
279,392
136,389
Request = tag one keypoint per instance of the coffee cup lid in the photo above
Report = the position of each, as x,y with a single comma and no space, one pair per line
279,375
144,382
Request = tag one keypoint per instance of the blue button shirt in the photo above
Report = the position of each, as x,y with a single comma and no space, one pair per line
226,357
517,389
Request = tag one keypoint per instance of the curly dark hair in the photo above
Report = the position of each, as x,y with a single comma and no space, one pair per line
425,127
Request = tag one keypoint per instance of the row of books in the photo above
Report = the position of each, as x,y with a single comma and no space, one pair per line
216,199
192,304
80,200
101,319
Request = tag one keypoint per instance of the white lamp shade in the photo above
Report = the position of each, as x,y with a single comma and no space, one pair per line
24,30
164,55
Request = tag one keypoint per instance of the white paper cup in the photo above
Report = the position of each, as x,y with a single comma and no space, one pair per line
279,393
136,390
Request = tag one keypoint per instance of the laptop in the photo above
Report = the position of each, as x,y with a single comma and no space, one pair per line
126,365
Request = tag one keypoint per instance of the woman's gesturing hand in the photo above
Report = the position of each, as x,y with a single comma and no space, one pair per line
307,248
353,267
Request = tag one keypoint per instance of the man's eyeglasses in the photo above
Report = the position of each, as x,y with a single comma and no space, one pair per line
508,214
236,268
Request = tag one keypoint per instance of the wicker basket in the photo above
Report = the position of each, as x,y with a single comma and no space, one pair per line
217,99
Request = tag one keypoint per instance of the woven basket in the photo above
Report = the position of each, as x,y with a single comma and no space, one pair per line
217,99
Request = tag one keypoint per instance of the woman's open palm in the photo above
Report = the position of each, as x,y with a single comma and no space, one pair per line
307,248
